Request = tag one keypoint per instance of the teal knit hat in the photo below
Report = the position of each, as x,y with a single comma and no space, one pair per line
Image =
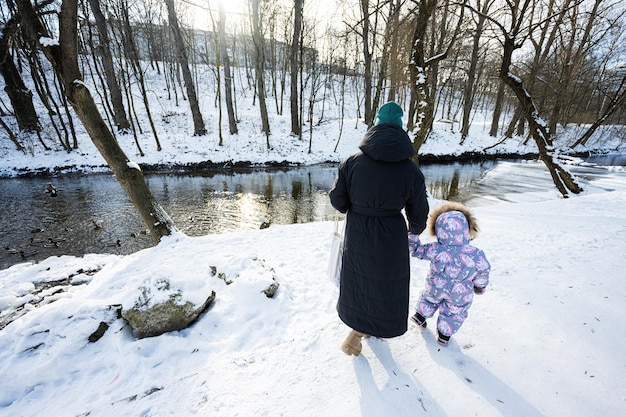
390,112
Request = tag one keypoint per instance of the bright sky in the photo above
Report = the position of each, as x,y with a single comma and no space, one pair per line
320,10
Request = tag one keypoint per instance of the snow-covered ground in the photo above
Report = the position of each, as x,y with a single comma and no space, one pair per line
546,339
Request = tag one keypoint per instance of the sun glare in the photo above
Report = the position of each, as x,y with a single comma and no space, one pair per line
202,13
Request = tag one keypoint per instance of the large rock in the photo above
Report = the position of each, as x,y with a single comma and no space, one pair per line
168,316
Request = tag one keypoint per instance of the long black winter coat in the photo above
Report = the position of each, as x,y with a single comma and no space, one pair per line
373,186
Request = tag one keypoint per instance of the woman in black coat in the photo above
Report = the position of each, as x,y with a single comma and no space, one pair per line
372,187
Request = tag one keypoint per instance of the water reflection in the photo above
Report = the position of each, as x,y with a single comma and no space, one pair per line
455,181
93,215
220,202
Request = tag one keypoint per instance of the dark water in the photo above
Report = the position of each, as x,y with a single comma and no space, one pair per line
92,214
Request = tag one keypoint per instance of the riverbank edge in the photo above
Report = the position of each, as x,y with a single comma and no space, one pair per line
244,166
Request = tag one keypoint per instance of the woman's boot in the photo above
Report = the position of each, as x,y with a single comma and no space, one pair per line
352,344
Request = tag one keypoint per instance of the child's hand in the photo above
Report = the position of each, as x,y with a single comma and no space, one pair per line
414,242
413,238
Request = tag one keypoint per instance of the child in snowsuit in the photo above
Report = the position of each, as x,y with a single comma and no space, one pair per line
458,270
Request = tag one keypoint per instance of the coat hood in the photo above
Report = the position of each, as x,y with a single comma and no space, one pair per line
387,142
453,224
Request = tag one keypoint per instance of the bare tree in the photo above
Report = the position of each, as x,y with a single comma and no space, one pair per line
64,58
390,38
228,78
422,100
21,97
469,91
367,62
395,66
616,101
573,54
115,92
497,110
132,58
183,61
259,48
296,129
12,136
512,39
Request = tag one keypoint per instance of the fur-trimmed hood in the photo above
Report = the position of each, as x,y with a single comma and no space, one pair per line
452,224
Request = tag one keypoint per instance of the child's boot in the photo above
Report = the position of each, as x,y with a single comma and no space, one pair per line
442,339
352,344
420,320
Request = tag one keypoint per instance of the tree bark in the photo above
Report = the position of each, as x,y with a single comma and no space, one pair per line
394,59
390,37
293,69
183,61
64,59
260,69
571,65
468,93
132,57
615,103
419,82
21,97
119,113
562,179
497,111
367,62
228,78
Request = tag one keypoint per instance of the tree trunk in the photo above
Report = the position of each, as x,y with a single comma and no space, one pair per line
497,111
571,65
260,69
21,97
367,62
391,33
293,69
394,73
181,55
228,78
64,59
132,56
615,103
562,179
468,93
436,43
12,136
419,82
119,113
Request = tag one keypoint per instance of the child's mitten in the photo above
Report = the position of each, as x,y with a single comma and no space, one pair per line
414,242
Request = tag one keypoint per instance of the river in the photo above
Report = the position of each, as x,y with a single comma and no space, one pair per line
91,213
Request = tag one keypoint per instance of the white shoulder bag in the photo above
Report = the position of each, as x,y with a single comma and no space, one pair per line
336,250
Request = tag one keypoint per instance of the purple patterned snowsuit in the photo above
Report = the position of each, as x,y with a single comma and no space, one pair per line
456,267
